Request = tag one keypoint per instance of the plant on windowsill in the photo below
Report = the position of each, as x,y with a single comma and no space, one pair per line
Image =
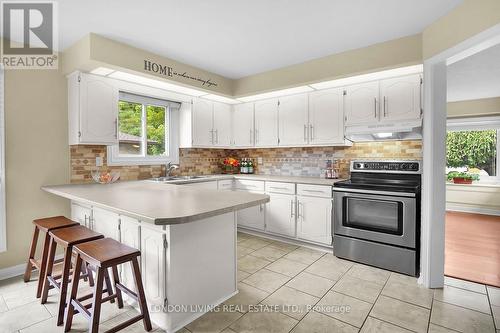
462,177
230,165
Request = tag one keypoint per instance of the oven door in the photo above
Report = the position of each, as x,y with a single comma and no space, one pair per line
385,217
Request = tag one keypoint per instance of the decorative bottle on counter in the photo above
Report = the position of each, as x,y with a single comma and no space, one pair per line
244,166
250,165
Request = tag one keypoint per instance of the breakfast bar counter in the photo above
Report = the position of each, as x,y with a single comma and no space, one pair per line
186,235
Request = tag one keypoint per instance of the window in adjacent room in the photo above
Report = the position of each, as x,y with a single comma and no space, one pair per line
473,145
144,131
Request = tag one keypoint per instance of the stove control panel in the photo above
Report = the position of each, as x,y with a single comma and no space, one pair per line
386,166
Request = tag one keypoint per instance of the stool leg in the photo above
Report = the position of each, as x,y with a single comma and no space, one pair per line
96,302
70,309
64,285
89,273
43,265
108,284
140,295
48,270
116,280
29,265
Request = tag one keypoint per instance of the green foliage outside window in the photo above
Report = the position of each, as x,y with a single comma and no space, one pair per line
473,149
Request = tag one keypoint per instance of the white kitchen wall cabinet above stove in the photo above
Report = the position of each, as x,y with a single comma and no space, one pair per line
385,101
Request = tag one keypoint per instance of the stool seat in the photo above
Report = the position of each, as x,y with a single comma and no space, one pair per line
55,222
105,251
74,235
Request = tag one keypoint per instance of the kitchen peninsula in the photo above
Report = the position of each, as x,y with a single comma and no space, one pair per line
187,238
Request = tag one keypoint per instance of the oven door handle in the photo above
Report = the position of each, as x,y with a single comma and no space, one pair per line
355,190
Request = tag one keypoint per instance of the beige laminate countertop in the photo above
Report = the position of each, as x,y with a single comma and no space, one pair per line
159,203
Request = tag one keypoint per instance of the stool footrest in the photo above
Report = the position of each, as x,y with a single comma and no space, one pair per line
125,324
126,290
80,308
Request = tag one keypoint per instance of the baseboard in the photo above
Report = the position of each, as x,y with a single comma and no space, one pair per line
476,210
12,271
9,272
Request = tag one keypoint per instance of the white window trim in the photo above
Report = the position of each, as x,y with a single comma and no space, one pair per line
114,159
478,124
3,226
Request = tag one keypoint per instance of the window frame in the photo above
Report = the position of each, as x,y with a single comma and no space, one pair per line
479,124
171,136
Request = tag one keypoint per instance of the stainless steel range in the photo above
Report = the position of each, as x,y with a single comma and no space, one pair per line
376,217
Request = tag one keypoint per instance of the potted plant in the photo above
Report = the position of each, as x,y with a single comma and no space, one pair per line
231,165
462,177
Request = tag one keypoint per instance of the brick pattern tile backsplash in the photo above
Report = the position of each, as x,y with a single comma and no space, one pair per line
307,161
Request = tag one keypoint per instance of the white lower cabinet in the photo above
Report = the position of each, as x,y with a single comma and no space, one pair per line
253,217
280,214
106,223
153,265
314,219
130,235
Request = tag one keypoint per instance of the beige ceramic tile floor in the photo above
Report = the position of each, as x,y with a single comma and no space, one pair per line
286,288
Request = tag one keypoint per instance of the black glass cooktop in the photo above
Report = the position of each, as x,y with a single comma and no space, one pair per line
382,182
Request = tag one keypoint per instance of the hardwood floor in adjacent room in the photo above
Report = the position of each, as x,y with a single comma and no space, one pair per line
473,247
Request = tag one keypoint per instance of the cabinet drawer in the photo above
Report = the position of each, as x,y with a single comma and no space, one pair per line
322,191
249,185
225,184
276,187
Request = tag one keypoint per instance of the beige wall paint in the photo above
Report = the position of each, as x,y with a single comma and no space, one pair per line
101,51
37,153
476,107
466,20
392,54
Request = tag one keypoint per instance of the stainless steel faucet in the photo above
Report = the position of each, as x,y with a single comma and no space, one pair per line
169,167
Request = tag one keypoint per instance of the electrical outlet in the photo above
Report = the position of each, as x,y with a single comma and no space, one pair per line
259,160
98,161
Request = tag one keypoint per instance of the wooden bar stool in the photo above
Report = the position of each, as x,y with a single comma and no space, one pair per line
104,254
66,238
45,225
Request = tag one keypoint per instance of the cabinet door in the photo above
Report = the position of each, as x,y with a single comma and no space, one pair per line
202,120
293,122
362,103
129,234
252,217
326,117
153,265
243,125
81,214
314,219
400,98
106,223
222,125
280,214
266,123
98,110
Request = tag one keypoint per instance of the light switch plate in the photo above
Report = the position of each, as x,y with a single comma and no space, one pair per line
98,161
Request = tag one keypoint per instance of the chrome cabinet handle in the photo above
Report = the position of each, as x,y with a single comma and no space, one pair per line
314,191
311,132
256,135
261,208
385,113
250,136
216,136
291,208
116,128
375,107
299,214
305,133
211,136
279,188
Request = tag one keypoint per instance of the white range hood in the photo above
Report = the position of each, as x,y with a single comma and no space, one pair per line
409,130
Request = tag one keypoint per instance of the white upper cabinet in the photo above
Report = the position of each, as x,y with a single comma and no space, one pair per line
93,109
362,103
400,98
266,123
293,121
202,122
326,117
243,125
222,125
